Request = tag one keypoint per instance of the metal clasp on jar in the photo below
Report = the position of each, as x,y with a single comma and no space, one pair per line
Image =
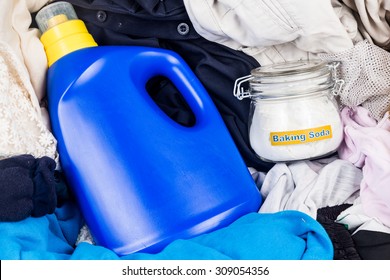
338,83
238,90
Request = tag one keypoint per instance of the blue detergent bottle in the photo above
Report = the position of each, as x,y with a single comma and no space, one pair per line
141,179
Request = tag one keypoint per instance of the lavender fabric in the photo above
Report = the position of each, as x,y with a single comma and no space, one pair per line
367,145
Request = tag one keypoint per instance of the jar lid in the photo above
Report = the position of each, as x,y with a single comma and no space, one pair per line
291,70
289,79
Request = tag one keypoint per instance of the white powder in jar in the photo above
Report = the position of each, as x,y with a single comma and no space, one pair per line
295,118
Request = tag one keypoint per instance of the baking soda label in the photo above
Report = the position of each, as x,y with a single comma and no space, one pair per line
301,136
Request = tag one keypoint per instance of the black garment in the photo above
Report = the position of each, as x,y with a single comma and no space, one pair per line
165,24
29,187
372,245
343,245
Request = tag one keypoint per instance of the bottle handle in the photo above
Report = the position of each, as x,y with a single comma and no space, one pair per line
170,65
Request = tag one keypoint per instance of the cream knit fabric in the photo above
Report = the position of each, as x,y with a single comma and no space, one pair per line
22,130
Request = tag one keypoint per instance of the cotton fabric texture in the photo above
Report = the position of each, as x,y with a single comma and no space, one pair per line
271,31
289,235
367,146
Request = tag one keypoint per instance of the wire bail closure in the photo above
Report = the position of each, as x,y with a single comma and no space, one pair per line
239,91
338,83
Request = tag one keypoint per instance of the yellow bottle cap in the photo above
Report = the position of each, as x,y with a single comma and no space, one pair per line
62,31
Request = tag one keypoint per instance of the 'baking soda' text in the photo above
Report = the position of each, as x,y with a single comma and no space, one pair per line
300,136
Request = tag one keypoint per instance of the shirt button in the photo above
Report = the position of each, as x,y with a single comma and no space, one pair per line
101,16
183,28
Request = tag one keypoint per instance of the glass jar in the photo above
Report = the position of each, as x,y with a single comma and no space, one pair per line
294,114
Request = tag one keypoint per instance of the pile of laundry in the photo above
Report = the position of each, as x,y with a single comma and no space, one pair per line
335,207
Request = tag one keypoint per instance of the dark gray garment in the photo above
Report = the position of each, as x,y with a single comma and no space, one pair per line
372,245
29,187
343,246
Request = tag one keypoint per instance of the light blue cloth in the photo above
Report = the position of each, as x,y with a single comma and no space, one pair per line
286,235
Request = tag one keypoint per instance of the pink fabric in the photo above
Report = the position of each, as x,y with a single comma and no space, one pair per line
367,145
